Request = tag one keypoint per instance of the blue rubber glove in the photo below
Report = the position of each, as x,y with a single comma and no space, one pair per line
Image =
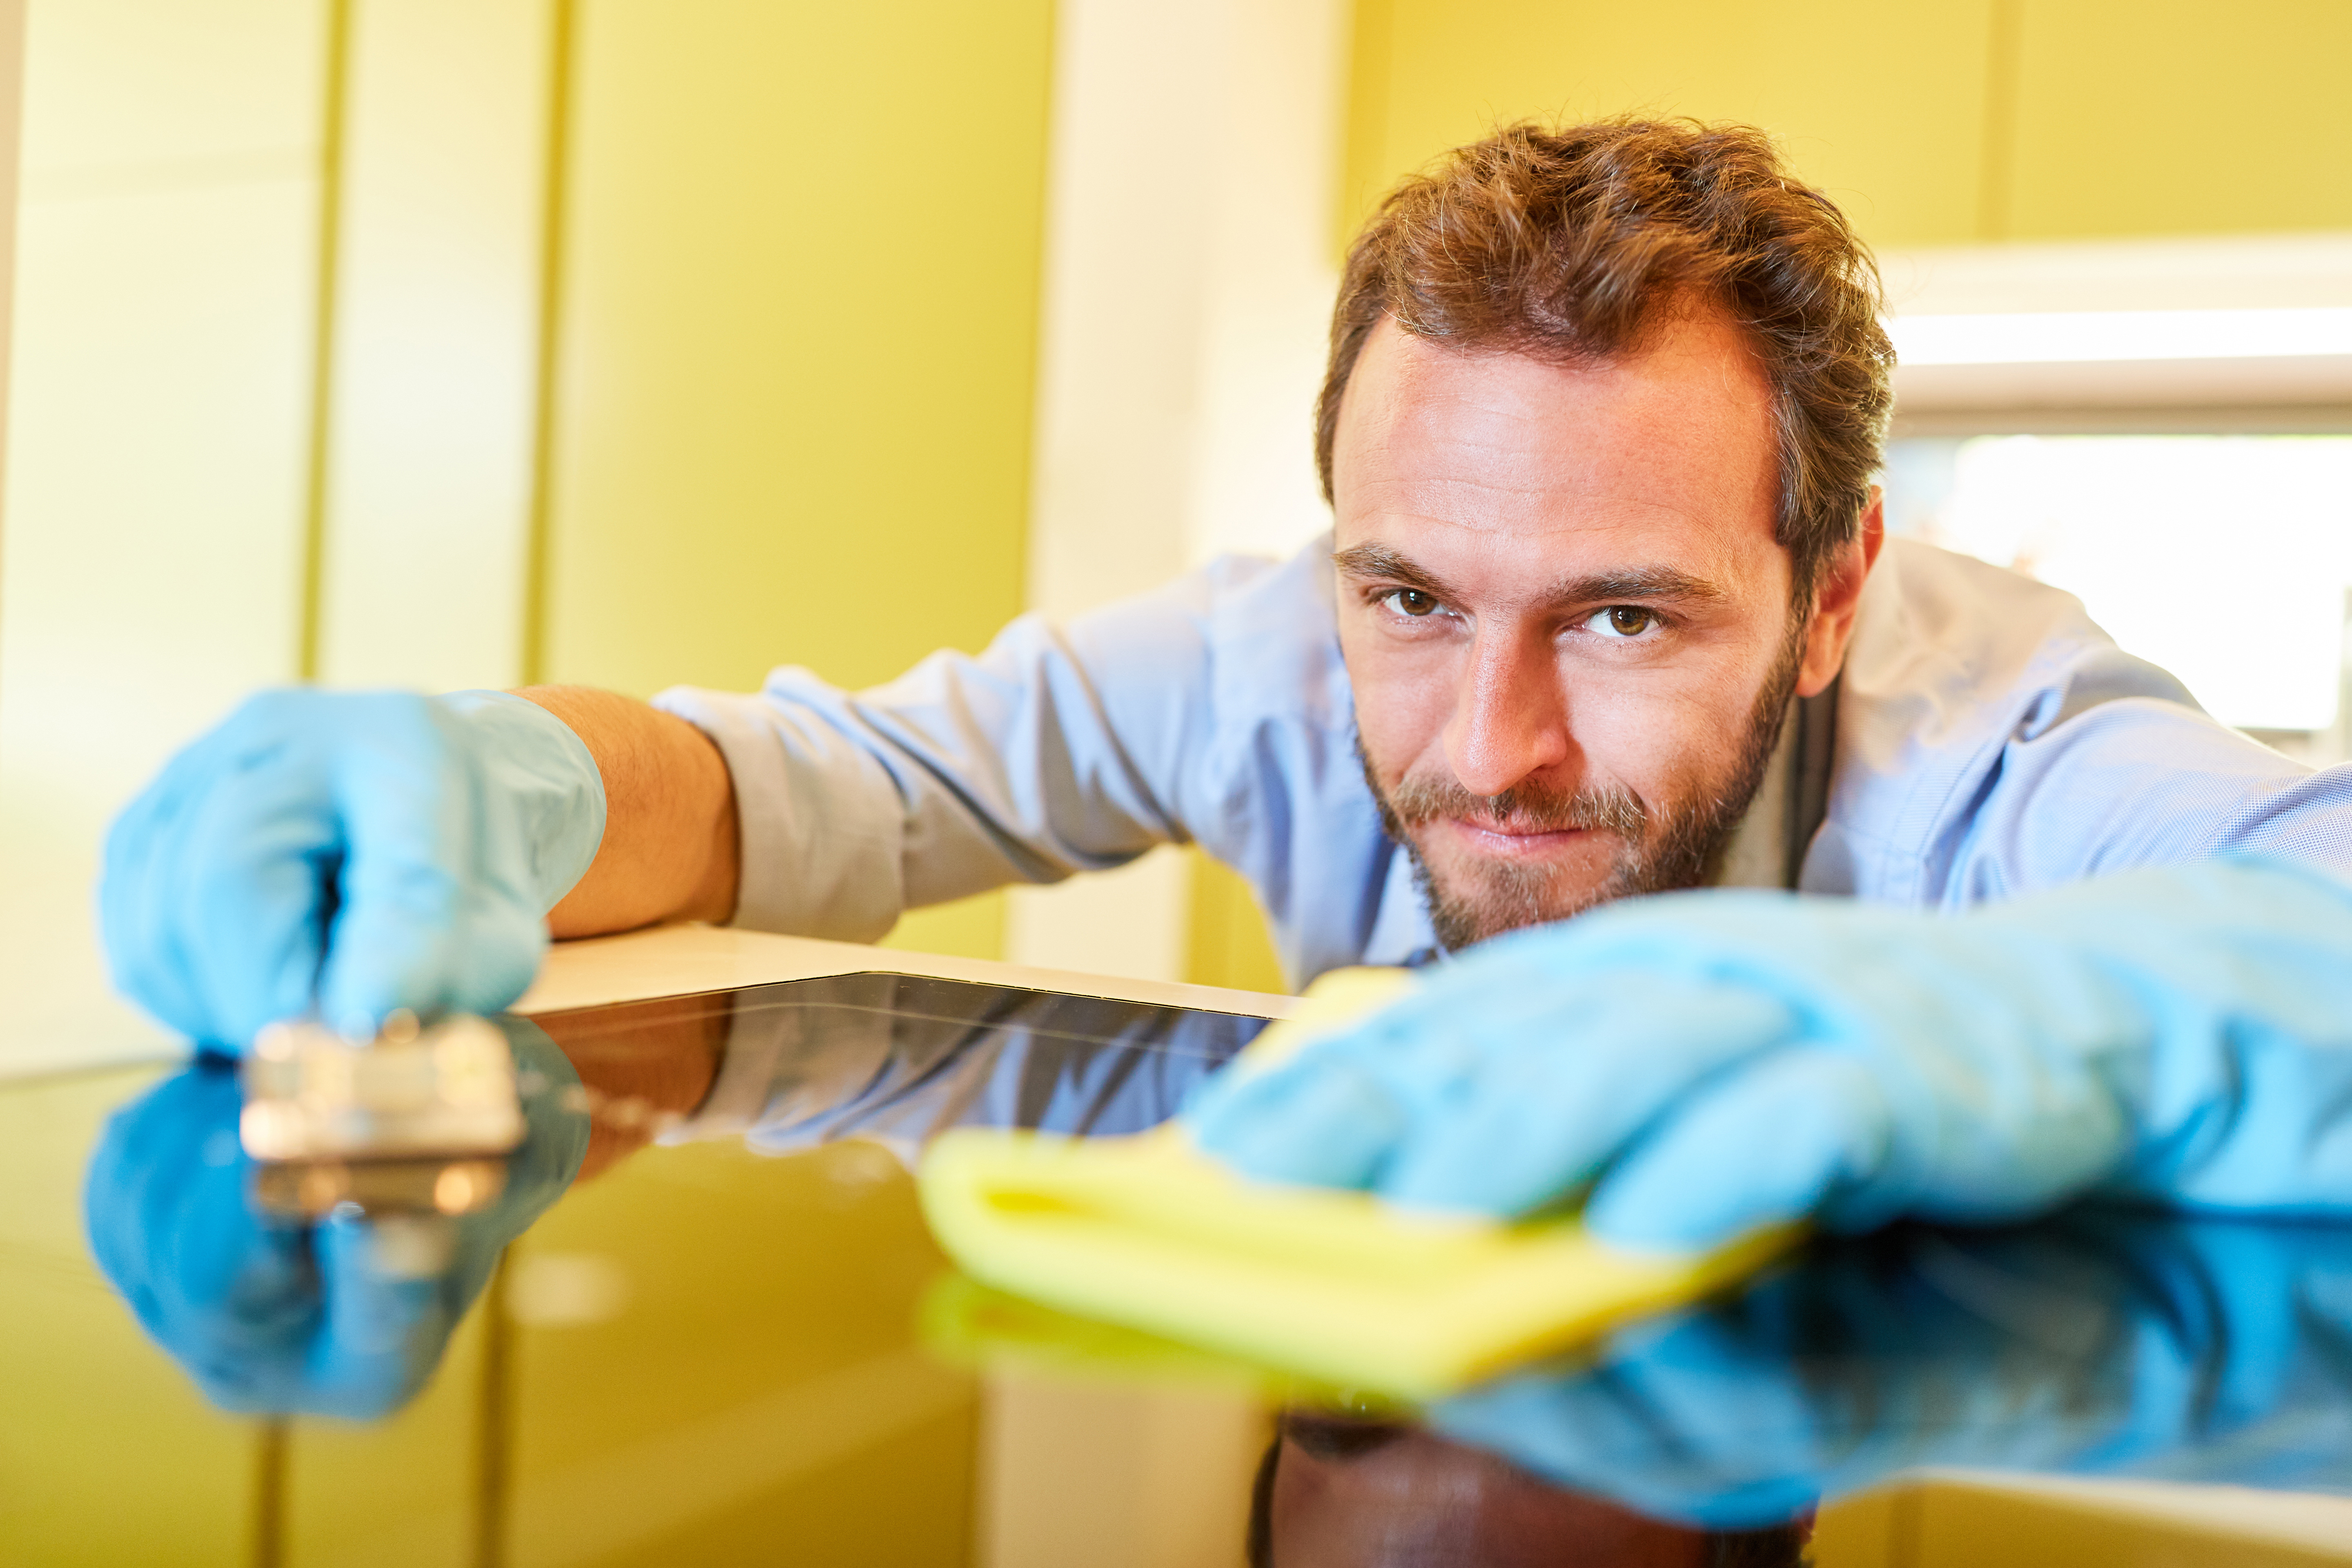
1715,1061
272,1314
343,854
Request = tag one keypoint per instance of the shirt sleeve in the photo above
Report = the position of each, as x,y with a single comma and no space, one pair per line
1058,750
2142,781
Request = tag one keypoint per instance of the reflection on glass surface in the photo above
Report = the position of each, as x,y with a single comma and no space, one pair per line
1341,1493
899,1058
2100,1343
327,1290
332,1287
2147,531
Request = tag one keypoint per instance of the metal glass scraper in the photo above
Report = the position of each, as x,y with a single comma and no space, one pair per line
443,1092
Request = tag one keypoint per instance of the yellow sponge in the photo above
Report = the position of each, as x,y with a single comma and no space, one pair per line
1148,1232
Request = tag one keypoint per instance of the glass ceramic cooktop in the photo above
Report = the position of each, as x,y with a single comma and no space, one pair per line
695,1318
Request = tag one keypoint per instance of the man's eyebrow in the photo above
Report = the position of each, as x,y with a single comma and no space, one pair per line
1638,582
1380,564
1378,561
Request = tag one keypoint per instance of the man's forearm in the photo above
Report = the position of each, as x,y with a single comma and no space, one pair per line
670,848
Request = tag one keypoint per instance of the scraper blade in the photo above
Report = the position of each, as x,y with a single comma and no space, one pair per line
447,1091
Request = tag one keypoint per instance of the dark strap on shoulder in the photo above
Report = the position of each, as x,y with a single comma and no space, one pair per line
1812,756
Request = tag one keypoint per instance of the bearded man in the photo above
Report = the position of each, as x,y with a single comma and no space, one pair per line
1607,611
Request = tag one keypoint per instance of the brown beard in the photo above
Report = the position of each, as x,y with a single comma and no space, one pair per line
1671,845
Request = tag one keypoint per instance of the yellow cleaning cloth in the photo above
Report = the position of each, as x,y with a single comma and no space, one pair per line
1148,1232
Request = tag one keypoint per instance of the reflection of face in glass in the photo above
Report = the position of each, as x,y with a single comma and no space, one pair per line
1336,1493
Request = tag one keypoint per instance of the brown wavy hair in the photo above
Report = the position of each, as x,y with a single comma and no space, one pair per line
1571,244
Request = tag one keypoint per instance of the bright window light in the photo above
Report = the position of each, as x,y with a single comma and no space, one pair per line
2225,559
2052,337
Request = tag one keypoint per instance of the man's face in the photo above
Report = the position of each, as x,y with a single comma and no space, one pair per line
1568,623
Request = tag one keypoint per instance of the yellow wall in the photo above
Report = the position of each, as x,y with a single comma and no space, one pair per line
426,500
799,317
1931,121
2169,116
159,422
1228,941
799,303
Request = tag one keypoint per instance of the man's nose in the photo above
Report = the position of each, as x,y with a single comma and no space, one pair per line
1510,718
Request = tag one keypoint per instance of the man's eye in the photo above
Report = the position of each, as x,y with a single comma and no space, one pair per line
1411,602
1622,621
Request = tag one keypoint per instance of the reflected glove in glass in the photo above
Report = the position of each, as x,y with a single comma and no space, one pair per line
344,855
2103,1343
274,1314
1715,1061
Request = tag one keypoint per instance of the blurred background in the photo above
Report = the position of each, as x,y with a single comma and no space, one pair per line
465,343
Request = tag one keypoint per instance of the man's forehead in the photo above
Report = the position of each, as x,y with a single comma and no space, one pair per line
1677,439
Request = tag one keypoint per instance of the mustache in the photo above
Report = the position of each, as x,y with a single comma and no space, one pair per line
1610,808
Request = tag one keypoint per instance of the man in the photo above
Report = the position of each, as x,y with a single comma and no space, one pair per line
1607,611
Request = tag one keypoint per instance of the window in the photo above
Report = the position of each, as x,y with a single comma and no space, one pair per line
2226,558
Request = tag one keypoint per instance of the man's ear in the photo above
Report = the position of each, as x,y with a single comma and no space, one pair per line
1837,595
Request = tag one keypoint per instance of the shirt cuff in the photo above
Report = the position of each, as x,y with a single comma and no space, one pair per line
821,823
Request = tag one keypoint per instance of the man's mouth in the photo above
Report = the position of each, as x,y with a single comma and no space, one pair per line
1505,839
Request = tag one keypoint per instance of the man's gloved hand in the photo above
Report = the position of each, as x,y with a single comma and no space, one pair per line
1717,1061
344,855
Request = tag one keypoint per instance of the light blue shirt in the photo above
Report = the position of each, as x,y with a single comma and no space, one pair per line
1989,741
